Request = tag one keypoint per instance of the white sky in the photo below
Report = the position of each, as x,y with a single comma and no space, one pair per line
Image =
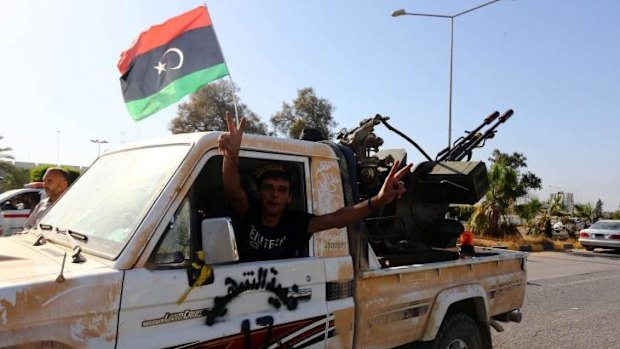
555,62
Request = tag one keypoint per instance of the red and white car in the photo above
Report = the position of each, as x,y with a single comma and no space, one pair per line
15,207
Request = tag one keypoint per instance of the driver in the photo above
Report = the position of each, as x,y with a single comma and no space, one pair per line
55,182
267,229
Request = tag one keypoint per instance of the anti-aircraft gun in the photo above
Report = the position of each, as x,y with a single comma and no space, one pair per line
417,222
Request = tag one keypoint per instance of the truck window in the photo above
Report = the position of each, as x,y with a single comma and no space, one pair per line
24,201
27,201
206,199
210,198
175,247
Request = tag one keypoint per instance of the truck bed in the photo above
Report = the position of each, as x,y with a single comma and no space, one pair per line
395,303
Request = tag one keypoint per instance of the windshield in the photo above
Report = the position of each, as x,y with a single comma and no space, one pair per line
109,201
606,225
7,194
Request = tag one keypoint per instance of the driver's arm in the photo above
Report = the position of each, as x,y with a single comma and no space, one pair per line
229,143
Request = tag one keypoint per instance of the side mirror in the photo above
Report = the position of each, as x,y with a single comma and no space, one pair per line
218,241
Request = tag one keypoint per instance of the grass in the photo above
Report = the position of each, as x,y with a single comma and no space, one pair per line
513,242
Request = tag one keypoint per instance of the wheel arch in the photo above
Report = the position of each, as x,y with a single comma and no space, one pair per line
467,299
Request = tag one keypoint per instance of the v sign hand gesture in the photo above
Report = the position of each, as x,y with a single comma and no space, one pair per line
229,143
393,187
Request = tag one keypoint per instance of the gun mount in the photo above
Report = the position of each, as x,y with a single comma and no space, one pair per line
417,221
363,141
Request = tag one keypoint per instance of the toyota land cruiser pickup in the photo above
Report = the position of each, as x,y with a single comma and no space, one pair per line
140,253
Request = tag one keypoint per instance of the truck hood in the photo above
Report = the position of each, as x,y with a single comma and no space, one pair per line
79,311
19,260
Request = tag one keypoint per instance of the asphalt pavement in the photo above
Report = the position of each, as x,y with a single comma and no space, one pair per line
572,301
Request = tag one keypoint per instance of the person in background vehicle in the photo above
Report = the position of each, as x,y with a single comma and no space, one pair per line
548,228
55,182
267,230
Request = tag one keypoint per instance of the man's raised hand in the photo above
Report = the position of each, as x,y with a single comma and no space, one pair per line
229,143
393,187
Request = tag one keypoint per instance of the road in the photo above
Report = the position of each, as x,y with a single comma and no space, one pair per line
572,301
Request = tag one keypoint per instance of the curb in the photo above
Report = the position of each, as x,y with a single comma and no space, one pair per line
546,246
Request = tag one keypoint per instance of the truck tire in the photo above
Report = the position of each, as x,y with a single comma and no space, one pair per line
458,331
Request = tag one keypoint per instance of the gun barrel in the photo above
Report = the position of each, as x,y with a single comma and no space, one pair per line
461,144
490,132
489,119
507,114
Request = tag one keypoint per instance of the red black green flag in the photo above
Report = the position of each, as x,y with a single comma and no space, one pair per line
169,61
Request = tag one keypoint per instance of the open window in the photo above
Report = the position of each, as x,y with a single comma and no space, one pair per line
206,200
210,198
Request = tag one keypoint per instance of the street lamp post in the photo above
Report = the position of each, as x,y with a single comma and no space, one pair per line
99,142
558,188
58,148
403,12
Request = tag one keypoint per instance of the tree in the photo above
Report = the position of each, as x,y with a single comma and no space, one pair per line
15,179
5,166
556,206
37,173
461,212
517,162
529,213
598,209
206,111
10,174
584,211
508,181
529,210
307,110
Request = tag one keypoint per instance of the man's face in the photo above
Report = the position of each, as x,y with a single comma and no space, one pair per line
54,184
274,194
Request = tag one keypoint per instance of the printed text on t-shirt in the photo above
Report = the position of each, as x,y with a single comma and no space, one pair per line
258,241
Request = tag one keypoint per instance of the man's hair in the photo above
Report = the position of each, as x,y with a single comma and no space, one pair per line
271,171
60,171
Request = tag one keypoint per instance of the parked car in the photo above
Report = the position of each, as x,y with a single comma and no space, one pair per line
15,207
604,233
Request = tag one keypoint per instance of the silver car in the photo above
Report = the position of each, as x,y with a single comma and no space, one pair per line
604,233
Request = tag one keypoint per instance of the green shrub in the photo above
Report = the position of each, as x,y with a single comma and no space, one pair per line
36,173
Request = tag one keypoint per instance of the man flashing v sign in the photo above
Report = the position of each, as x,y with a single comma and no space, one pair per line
267,229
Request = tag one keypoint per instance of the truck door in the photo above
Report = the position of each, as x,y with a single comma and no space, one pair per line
270,304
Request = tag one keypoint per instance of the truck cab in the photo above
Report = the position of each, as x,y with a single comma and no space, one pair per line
140,252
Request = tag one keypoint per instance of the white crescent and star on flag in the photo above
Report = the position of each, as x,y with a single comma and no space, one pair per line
161,66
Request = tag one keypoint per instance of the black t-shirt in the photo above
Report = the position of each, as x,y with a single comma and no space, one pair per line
257,242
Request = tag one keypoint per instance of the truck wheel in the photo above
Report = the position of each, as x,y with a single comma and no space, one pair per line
589,248
458,331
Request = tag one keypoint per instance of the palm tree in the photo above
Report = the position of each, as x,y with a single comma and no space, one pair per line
528,213
5,166
556,208
486,219
499,200
15,179
584,211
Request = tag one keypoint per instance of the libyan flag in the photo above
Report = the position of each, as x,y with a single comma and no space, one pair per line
169,61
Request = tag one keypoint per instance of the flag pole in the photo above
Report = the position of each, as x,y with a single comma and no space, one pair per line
232,84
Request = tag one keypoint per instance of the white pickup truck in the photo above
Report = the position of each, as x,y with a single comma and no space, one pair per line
151,259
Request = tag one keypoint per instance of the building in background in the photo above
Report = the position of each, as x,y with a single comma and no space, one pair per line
565,198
